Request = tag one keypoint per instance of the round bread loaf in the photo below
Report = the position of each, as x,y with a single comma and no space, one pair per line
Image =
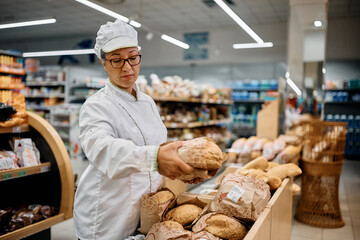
225,227
172,224
163,196
184,214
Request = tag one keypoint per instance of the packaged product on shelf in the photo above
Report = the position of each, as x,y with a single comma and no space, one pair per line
152,206
243,197
168,230
27,152
221,225
8,160
204,155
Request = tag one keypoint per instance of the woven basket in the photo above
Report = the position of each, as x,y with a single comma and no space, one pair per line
322,161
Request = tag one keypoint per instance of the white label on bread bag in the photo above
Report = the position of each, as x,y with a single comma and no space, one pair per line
235,193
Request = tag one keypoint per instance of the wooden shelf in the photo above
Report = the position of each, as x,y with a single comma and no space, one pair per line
33,228
15,129
12,86
24,171
195,124
191,100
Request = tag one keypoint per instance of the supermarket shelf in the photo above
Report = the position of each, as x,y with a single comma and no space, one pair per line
45,83
36,107
61,114
195,124
78,98
12,70
259,101
16,129
88,85
12,86
67,125
34,228
343,89
347,102
254,89
8,53
24,171
191,100
46,96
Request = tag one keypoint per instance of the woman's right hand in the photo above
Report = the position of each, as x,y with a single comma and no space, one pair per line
169,163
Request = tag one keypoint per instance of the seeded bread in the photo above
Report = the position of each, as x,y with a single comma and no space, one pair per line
184,214
225,227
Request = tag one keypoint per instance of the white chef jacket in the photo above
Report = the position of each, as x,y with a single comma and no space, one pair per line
120,135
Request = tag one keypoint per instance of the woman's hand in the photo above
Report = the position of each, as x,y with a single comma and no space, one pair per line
169,163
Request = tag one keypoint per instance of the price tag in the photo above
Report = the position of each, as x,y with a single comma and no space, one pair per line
235,193
21,173
7,176
44,169
16,129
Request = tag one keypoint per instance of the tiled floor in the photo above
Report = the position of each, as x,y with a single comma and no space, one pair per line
349,203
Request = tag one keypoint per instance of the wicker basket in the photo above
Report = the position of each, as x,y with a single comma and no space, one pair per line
324,141
319,203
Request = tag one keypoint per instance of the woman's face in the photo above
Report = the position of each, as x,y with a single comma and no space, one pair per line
125,76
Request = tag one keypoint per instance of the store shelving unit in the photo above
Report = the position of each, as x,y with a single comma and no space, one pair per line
11,75
344,105
51,183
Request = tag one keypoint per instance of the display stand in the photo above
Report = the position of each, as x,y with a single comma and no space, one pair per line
51,183
268,121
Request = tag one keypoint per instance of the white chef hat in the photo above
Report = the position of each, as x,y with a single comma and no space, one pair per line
115,35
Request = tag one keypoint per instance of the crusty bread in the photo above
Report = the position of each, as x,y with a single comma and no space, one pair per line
285,170
163,196
258,163
225,227
184,214
271,165
172,224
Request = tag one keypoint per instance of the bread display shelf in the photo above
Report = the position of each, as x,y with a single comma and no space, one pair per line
24,171
196,124
12,86
16,129
55,188
191,100
12,70
33,228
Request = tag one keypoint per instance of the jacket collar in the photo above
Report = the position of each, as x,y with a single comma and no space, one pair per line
124,94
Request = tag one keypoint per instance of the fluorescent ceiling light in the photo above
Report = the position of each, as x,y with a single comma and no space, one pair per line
252,45
104,10
317,23
175,41
239,21
28,23
135,24
293,86
59,53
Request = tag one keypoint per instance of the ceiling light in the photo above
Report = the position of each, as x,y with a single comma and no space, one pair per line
59,53
135,24
239,21
28,23
252,45
317,23
175,41
293,86
104,10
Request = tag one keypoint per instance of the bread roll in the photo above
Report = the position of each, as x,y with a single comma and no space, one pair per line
225,227
172,224
184,214
285,170
258,163
163,196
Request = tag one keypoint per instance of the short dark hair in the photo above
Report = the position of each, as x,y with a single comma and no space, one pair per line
102,55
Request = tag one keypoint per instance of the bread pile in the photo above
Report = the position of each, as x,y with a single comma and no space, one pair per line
204,155
20,116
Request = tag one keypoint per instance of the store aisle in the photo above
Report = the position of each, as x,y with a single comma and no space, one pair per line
350,208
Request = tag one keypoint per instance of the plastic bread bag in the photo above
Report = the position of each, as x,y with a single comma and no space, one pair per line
27,152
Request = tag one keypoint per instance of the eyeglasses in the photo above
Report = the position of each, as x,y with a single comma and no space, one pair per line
119,62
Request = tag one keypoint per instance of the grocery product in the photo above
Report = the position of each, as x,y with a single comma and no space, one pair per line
289,154
285,170
243,197
258,163
184,214
221,225
204,155
168,230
